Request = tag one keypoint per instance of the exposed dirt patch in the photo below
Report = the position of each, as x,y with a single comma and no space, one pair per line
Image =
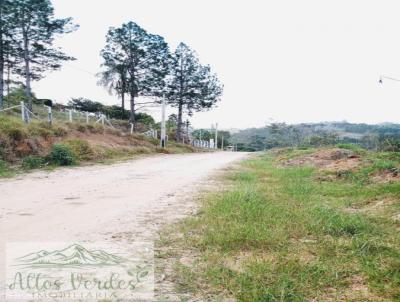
110,140
373,206
333,163
386,176
356,291
331,160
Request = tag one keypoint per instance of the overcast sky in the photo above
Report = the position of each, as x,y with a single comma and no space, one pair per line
289,61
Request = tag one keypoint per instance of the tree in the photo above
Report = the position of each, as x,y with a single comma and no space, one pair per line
145,57
203,134
6,26
114,77
191,86
82,104
16,95
36,29
223,138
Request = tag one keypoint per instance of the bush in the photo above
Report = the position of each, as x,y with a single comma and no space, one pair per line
61,155
81,128
95,128
60,131
16,134
80,149
32,162
5,170
39,129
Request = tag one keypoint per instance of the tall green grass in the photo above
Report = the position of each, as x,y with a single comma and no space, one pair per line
278,234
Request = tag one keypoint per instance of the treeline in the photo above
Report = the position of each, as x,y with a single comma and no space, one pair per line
374,137
136,63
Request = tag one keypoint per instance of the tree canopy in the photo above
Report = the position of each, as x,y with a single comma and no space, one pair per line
143,56
190,86
27,32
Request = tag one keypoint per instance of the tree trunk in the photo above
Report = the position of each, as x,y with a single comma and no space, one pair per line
1,70
123,104
1,57
8,76
179,128
132,114
28,91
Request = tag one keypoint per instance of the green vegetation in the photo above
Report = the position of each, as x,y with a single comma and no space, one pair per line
384,137
33,162
27,32
282,232
5,171
61,155
37,145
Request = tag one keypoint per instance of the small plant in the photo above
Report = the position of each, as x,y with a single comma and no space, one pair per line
61,155
95,128
5,171
32,162
16,134
80,149
39,129
81,128
60,131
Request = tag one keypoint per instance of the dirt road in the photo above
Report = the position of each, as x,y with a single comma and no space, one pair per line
119,202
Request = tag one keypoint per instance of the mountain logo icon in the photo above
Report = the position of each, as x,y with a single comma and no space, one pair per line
74,255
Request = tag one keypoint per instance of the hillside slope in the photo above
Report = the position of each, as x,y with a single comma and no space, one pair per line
35,145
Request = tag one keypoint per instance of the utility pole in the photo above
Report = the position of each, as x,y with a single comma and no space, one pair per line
162,138
216,135
222,142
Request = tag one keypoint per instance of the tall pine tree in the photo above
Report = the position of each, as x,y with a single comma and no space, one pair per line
191,86
36,28
6,27
145,57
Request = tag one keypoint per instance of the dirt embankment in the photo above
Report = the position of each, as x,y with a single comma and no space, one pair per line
18,141
329,159
336,163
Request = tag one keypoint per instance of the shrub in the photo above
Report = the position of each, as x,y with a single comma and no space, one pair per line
32,162
61,155
95,128
80,149
39,129
60,131
16,134
81,128
5,171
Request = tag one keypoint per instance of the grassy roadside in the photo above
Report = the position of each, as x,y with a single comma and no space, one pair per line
292,233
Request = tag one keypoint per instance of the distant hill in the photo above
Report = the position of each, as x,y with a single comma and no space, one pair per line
316,134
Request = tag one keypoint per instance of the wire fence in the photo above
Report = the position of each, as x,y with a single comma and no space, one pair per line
50,115
53,115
